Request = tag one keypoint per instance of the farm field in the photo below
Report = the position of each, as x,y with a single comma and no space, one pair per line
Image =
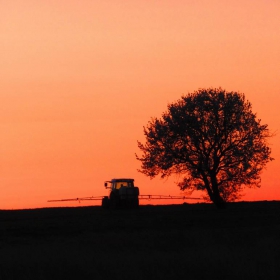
188,241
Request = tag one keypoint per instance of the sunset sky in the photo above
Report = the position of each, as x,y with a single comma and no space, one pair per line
80,79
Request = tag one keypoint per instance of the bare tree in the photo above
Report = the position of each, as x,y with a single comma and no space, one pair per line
213,139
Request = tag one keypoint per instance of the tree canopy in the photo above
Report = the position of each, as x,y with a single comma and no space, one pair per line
213,139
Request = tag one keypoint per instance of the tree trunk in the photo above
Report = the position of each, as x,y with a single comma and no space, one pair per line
219,201
216,197
213,192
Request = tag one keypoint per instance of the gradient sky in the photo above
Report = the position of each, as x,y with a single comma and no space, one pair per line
80,79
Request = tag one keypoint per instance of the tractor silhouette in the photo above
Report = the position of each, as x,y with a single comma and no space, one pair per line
122,194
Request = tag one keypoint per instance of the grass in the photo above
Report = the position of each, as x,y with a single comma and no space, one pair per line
152,242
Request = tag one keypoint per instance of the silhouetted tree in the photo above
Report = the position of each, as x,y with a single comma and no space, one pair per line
213,139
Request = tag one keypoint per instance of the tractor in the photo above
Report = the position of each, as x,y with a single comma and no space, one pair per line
122,194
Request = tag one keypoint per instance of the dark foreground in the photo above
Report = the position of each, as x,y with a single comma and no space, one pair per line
152,242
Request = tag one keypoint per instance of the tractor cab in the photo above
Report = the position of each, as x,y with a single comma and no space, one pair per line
116,184
122,194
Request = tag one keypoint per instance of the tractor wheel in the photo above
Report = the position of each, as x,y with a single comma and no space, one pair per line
136,203
105,202
113,201
136,191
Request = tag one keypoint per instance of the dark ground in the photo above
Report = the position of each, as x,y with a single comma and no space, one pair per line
190,241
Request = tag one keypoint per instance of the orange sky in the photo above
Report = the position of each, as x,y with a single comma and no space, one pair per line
79,80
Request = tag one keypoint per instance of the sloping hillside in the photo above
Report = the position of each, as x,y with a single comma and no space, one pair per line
193,241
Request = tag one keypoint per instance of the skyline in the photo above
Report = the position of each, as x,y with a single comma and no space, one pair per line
79,80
